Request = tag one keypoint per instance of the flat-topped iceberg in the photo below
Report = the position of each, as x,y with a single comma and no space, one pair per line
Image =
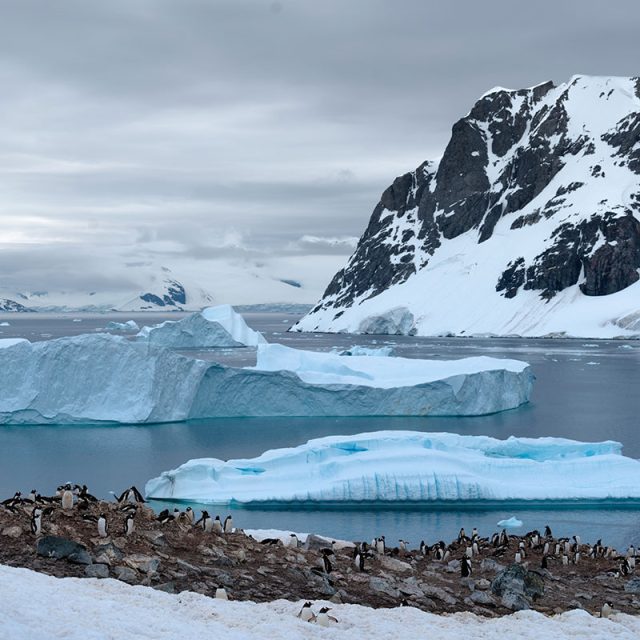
95,377
409,467
217,326
103,377
129,325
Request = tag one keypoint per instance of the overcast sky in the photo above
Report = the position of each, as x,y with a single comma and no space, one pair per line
184,131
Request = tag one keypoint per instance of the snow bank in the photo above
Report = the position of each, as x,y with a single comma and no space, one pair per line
102,377
407,466
89,609
97,377
129,325
217,326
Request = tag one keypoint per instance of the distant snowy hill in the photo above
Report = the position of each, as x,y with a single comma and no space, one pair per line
158,290
529,224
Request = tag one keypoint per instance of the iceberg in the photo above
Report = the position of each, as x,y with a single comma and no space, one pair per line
129,325
510,523
398,321
409,467
358,350
105,377
217,326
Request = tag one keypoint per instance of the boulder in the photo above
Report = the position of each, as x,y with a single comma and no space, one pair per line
63,548
96,571
518,587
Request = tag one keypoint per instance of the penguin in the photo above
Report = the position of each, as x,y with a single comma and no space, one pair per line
191,516
565,560
461,535
567,547
545,562
221,594
632,561
631,552
293,541
625,568
465,567
606,610
207,522
358,561
130,495
217,526
518,558
576,557
164,517
129,525
468,552
474,533
546,549
557,549
306,614
324,619
33,494
547,532
380,545
228,525
36,521
67,498
577,540
424,550
103,527
83,494
475,549
326,563
402,545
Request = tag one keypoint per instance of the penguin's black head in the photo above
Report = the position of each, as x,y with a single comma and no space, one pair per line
325,609
306,604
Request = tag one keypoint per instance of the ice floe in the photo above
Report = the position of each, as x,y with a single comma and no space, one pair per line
408,466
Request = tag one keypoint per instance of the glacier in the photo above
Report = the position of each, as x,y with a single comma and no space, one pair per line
218,326
105,377
409,467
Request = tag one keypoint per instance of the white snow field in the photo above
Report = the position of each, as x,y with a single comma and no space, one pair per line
218,326
103,377
90,609
409,466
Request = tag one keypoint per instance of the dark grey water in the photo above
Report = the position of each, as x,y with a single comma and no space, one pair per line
586,390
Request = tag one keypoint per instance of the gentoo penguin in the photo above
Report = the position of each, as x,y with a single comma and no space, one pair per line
606,610
103,527
164,517
33,494
474,533
306,614
324,619
468,552
402,546
518,558
358,561
190,515
293,541
129,525
465,567
83,494
207,522
546,549
545,562
625,568
475,549
576,557
461,535
67,498
217,526
130,495
36,521
380,546
326,563
547,532
631,552
221,594
424,550
228,525
565,560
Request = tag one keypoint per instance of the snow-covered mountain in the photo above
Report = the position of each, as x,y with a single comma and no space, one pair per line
529,224
156,290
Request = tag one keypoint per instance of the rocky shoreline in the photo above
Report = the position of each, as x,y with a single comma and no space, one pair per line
176,555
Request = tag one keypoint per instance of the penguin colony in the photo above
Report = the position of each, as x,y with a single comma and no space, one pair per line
541,552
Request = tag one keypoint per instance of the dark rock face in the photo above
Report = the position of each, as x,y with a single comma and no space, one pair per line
174,297
12,305
62,548
518,587
509,155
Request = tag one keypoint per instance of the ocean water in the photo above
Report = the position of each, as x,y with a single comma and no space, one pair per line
586,390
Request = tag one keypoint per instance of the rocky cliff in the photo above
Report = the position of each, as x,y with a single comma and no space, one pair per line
529,224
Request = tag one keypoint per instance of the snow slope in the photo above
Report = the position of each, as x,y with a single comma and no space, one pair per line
102,377
217,326
406,466
528,225
35,606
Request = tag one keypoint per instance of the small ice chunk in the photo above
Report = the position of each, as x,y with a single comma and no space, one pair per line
510,523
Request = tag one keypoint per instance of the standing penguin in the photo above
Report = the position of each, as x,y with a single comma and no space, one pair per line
358,561
67,498
465,567
191,517
207,522
293,541
380,545
606,610
103,527
129,525
36,521
306,613
326,563
228,525
217,526
221,594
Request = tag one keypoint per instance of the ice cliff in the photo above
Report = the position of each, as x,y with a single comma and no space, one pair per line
407,466
217,326
103,377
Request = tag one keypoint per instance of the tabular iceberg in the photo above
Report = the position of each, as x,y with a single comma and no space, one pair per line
217,326
102,377
410,467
